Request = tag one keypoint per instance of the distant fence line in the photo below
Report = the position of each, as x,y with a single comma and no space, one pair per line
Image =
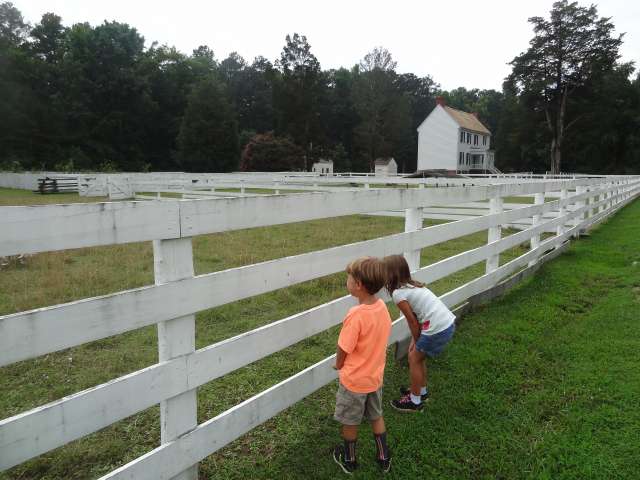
172,383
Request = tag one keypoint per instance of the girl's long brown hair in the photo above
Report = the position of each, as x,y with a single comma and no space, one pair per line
398,273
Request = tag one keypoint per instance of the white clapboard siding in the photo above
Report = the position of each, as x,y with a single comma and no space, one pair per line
36,332
60,422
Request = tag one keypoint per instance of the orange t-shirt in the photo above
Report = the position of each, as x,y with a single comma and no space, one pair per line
364,336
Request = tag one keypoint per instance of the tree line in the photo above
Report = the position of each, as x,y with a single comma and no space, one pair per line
85,97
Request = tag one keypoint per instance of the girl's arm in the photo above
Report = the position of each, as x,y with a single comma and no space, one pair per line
341,356
412,321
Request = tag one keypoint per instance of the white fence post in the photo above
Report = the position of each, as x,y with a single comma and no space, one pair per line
494,233
578,219
173,260
535,240
563,210
413,222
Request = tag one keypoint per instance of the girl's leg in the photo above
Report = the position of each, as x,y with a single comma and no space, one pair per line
417,371
424,375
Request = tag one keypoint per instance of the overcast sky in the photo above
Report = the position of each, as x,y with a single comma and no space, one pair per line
459,43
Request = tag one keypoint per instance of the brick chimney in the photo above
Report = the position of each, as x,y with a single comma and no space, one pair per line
440,101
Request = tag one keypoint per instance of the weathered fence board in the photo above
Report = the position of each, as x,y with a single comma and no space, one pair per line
28,334
36,332
41,427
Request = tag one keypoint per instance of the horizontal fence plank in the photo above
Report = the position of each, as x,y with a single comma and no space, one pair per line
39,430
57,227
35,229
36,332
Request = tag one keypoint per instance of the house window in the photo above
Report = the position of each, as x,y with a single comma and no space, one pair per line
461,137
469,138
484,140
461,158
468,158
475,139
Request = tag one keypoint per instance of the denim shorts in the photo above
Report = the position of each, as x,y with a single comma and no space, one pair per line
433,345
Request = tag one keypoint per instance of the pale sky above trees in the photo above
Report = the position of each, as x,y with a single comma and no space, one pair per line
459,43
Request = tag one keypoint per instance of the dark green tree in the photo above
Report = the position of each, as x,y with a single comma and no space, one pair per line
384,128
566,50
299,93
269,153
208,138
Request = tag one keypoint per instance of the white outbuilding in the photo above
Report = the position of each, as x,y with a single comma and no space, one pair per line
323,167
454,141
386,167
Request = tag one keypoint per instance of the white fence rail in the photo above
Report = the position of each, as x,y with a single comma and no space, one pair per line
177,295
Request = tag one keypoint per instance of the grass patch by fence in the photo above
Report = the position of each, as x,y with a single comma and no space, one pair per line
266,451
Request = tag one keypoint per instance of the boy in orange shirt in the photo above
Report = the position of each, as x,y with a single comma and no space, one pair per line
360,359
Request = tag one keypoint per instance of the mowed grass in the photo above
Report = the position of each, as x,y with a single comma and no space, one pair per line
296,442
11,196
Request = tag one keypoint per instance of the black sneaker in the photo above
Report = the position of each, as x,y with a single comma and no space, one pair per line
339,458
385,465
406,391
404,404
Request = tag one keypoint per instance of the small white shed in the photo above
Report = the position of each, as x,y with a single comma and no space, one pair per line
386,167
323,167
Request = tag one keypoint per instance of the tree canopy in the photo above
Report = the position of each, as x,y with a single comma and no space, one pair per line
83,97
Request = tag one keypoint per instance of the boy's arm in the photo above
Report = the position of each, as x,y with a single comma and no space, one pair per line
412,321
341,356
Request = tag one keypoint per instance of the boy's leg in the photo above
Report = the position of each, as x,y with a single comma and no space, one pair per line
350,432
350,437
349,411
374,414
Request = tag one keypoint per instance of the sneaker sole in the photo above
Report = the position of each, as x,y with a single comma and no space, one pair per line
388,469
340,465
404,410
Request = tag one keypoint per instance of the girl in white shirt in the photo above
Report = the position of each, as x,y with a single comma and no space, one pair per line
431,324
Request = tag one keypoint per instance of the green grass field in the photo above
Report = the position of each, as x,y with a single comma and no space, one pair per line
537,385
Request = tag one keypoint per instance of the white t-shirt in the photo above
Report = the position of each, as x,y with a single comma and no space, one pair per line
432,314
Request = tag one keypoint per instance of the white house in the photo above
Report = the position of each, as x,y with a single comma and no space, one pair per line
386,167
455,141
323,167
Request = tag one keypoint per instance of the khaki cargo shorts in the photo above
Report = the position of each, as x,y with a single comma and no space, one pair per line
352,407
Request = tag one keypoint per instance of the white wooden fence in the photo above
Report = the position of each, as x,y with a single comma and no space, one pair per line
177,295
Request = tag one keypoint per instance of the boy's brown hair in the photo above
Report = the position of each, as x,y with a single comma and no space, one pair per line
397,273
369,271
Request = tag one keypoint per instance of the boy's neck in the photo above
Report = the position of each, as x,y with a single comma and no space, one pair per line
367,299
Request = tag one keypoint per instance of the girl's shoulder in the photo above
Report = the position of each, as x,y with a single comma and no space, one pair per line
403,291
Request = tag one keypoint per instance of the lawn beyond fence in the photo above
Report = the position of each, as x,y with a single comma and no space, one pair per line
126,222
